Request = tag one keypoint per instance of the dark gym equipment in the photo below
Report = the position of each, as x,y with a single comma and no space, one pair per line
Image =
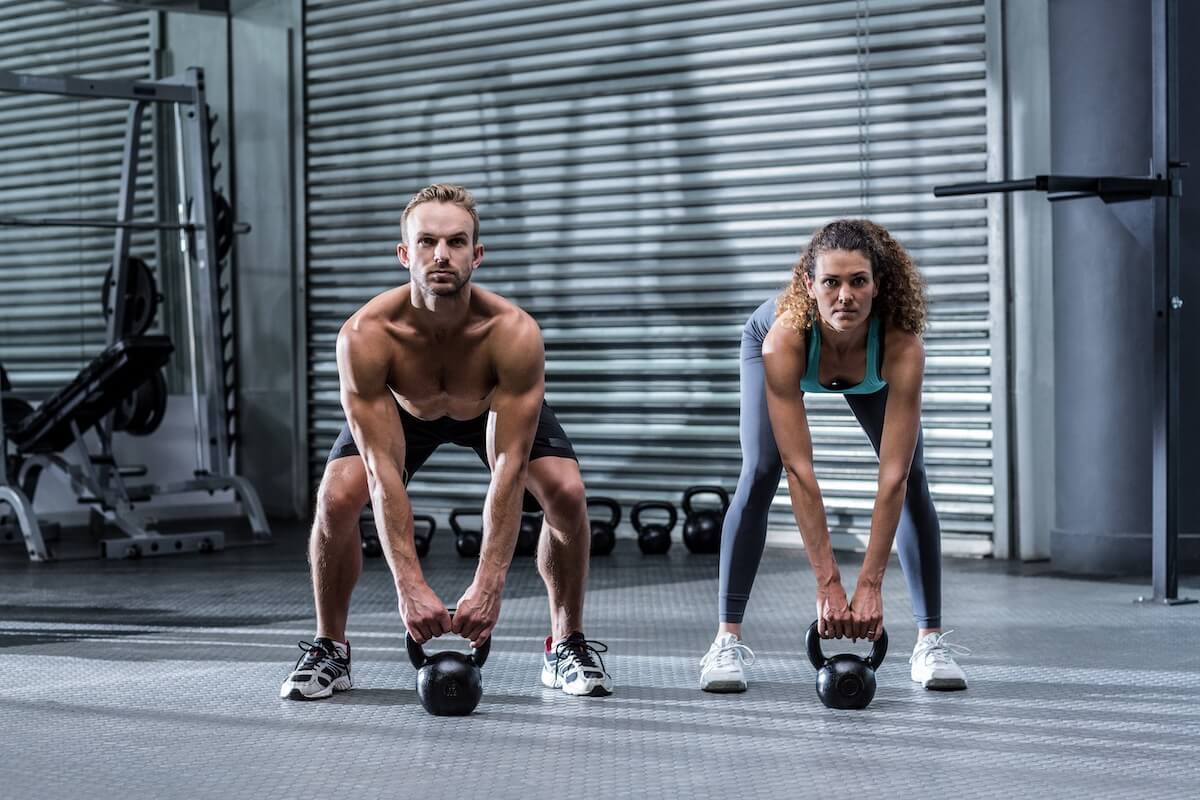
141,297
467,541
371,546
224,224
653,538
424,526
205,228
528,534
449,683
98,389
14,408
845,681
604,531
142,410
702,527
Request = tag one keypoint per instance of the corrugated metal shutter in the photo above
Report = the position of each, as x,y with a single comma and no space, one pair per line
647,172
62,157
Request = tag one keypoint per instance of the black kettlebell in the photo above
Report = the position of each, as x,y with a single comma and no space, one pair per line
449,683
653,539
845,680
702,526
372,547
528,534
604,531
466,541
422,537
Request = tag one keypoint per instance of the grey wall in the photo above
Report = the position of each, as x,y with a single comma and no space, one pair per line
265,116
1030,263
251,77
1101,120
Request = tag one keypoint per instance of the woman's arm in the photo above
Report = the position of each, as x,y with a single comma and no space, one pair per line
784,361
904,370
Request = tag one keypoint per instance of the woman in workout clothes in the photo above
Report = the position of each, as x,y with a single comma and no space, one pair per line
849,323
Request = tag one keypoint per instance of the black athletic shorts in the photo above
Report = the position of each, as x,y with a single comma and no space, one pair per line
422,437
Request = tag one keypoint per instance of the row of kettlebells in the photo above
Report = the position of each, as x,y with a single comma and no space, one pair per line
701,527
424,526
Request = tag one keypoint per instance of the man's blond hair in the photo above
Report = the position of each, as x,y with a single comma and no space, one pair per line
442,193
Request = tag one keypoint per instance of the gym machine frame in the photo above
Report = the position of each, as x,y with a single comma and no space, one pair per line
98,479
1162,187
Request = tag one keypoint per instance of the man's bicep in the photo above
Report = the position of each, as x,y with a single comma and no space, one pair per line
517,402
369,406
376,429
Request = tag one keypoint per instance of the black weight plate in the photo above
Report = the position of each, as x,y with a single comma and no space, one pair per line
142,411
141,297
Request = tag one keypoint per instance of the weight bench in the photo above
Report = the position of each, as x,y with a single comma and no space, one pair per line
108,384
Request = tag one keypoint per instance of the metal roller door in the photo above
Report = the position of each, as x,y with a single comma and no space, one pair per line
647,172
62,157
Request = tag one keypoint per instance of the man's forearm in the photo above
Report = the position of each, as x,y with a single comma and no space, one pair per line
394,524
501,521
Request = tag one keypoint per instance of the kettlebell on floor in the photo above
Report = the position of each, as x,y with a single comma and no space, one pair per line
467,541
604,531
845,681
449,683
653,538
702,526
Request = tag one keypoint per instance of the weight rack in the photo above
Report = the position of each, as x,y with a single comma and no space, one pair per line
99,479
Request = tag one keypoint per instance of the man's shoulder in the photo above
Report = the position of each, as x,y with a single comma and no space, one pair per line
508,317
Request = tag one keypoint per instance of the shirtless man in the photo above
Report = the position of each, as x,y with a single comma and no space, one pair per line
440,360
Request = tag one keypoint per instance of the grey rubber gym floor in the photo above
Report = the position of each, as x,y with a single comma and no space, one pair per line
160,679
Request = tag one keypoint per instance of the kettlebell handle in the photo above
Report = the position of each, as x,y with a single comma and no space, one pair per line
691,492
455,513
635,516
419,658
428,520
812,642
614,509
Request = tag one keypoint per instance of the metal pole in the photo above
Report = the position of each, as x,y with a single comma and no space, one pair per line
185,250
208,282
125,206
1168,305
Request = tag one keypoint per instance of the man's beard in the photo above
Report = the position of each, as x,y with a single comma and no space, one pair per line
444,289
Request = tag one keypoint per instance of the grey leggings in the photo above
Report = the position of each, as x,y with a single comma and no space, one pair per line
918,537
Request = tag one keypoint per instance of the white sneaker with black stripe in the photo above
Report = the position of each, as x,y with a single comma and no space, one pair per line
574,665
322,670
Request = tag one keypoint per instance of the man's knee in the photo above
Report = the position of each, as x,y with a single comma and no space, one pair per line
340,498
564,500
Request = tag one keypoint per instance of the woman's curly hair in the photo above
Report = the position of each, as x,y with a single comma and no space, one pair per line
901,300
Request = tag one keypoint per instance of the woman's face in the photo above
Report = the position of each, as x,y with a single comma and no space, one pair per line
844,288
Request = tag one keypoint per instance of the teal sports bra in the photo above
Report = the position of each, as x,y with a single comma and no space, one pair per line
871,383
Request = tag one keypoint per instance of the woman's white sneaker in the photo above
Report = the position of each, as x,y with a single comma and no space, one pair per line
723,668
933,664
